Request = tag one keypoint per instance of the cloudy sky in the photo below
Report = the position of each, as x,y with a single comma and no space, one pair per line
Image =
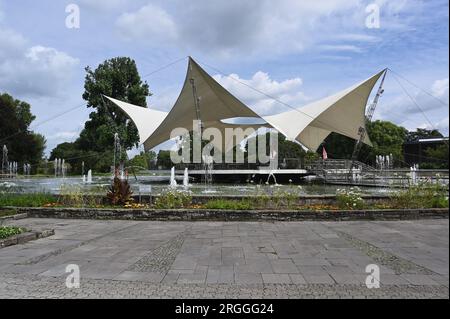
295,50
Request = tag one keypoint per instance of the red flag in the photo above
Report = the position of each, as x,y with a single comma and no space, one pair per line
324,154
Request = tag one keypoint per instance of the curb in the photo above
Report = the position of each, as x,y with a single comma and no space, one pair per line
13,217
26,237
233,215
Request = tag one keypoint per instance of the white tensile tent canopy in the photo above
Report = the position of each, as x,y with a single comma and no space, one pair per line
343,113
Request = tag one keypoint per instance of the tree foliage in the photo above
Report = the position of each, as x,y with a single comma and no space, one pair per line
387,138
24,146
143,160
164,161
437,157
420,133
119,79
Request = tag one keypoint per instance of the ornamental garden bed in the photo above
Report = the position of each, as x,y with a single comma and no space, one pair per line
10,235
419,201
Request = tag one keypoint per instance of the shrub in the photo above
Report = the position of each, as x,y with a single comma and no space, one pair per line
70,195
173,199
422,195
76,196
349,198
120,192
8,231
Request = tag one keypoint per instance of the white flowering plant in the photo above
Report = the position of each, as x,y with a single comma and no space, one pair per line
350,198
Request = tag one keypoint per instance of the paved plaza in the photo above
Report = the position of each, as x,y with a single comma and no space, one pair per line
129,259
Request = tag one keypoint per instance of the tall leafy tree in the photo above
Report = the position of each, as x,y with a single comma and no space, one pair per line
387,138
120,79
24,146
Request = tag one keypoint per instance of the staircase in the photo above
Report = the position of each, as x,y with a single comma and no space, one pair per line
339,171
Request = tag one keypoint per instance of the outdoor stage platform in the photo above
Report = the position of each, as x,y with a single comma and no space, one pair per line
249,175
258,176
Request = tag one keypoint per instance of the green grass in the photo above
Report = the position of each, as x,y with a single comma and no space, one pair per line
26,200
8,231
229,204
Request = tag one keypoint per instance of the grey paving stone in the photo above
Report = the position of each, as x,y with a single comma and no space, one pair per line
170,278
388,279
248,278
276,279
311,261
318,279
420,279
229,260
140,276
191,279
348,279
284,266
297,279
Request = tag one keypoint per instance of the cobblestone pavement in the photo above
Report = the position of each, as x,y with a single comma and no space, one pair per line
129,259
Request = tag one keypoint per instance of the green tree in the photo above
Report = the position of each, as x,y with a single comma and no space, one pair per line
338,146
437,157
117,78
422,133
24,146
164,160
387,138
290,154
72,154
143,160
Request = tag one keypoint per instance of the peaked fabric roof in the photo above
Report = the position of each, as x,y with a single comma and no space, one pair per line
343,113
145,119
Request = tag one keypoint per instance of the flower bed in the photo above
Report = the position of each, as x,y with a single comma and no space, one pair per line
9,231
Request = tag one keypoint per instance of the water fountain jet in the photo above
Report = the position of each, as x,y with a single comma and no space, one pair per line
89,177
173,182
186,178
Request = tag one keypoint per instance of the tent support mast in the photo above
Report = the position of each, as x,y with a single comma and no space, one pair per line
362,131
197,109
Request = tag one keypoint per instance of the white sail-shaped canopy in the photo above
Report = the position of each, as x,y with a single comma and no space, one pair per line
215,104
342,113
145,119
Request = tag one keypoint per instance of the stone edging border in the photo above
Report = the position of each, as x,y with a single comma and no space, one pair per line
26,237
13,217
232,215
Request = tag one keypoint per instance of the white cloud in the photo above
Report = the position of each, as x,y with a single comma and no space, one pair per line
150,22
103,5
165,99
340,48
357,37
443,126
440,88
11,43
252,26
287,91
32,70
420,111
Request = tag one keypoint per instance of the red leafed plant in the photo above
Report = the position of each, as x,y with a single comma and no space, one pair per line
120,192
